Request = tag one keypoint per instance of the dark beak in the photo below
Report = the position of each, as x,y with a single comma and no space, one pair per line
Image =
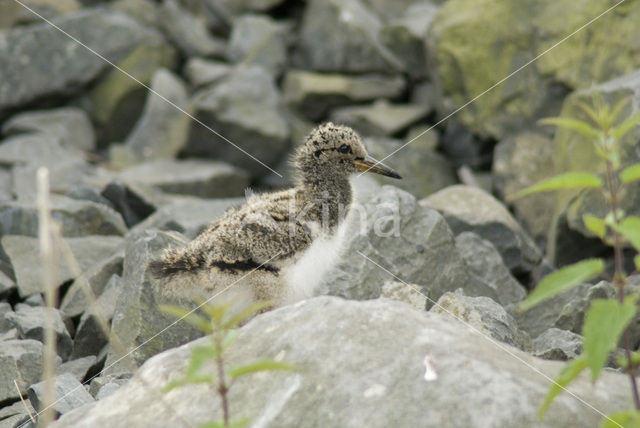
369,164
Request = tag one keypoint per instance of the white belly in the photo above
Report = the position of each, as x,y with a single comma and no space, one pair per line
305,274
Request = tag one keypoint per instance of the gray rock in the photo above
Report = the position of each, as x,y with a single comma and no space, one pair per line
116,101
76,218
474,377
544,316
520,162
314,94
412,242
391,11
485,261
162,130
78,367
133,202
379,118
31,323
5,308
206,179
483,315
20,360
35,300
571,317
259,40
7,285
90,336
405,37
188,32
468,208
63,176
70,125
45,51
102,386
17,408
68,389
246,109
411,294
6,185
88,192
75,301
514,33
423,170
137,319
342,36
200,72
25,257
189,216
228,9
11,334
35,149
557,344
17,421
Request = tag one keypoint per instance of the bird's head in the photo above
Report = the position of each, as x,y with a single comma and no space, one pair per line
339,149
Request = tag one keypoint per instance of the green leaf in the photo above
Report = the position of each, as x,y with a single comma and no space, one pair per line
241,423
215,311
630,229
626,419
590,112
604,322
569,180
199,356
188,380
562,280
595,224
569,372
636,261
187,315
573,124
630,173
247,312
626,126
260,366
620,105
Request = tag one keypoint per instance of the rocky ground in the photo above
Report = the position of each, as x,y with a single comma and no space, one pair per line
132,173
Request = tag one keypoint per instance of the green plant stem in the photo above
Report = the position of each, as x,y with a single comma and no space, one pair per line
620,279
223,388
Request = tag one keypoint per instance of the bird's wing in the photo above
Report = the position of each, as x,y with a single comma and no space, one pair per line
262,237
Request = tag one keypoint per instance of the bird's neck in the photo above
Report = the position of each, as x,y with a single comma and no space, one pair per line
328,196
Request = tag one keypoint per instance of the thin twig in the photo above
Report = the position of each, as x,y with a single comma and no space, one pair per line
47,255
24,403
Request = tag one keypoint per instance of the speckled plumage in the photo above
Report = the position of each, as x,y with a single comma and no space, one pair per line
270,232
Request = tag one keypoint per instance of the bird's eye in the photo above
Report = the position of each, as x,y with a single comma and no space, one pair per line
343,148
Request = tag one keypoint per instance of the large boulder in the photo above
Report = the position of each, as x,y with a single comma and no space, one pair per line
376,363
162,130
342,36
76,218
197,177
45,51
245,111
519,162
259,40
314,94
140,329
391,236
468,208
423,170
514,33
24,253
69,125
